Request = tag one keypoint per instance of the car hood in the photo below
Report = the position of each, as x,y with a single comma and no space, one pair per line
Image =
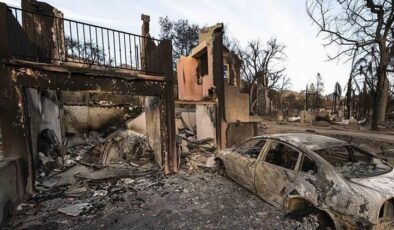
225,152
384,184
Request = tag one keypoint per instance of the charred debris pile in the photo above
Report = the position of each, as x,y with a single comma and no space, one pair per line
90,165
195,153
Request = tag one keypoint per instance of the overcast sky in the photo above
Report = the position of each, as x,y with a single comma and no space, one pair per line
246,20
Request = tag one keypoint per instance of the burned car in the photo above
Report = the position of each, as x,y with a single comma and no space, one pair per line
347,187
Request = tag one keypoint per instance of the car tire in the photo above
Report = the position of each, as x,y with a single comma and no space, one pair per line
322,218
325,222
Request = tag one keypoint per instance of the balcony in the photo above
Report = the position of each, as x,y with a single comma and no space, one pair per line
53,39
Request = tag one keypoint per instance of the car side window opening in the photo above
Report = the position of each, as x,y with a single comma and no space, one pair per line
282,155
359,156
308,166
335,155
252,147
352,162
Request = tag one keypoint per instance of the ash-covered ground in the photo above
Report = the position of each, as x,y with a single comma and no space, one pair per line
197,199
87,195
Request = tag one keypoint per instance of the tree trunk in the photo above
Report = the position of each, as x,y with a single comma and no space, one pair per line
267,100
348,98
383,99
251,98
374,123
335,104
379,105
354,110
306,100
263,105
382,87
281,102
262,96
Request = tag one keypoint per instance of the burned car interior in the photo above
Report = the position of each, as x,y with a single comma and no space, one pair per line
282,155
279,154
352,162
251,148
308,166
349,160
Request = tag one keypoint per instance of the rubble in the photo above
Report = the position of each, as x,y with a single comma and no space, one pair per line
100,193
76,209
96,168
125,146
88,155
78,172
21,206
200,159
79,145
107,179
50,152
198,198
197,153
294,119
66,177
109,173
79,188
90,192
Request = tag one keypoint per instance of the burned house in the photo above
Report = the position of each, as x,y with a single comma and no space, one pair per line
210,103
60,78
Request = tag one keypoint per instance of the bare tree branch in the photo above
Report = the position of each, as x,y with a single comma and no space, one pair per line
363,29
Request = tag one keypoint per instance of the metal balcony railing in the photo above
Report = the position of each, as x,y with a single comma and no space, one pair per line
81,42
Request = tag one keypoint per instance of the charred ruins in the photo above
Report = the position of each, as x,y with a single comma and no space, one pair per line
100,128
61,78
78,97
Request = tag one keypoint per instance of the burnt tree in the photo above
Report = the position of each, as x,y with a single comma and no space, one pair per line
183,34
361,25
337,96
261,71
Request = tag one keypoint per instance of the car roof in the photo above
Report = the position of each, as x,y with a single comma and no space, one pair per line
308,140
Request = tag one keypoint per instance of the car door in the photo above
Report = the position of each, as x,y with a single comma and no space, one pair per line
306,180
276,171
241,163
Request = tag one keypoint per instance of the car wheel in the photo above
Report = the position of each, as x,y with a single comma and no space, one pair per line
322,219
313,215
325,222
